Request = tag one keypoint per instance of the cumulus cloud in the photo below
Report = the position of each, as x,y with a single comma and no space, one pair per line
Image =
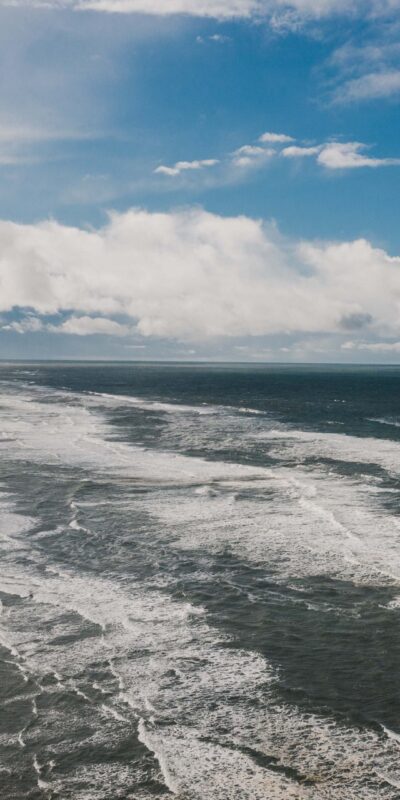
275,138
28,324
330,155
191,275
246,156
350,155
74,325
339,155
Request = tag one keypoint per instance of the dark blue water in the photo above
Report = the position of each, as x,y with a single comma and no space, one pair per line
200,570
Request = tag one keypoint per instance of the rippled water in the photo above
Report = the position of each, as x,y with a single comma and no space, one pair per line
199,582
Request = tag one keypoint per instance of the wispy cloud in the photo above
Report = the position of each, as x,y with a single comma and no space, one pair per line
223,9
251,156
185,166
216,38
297,151
373,347
16,133
20,143
371,86
366,68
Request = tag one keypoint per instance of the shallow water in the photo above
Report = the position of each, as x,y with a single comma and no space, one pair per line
200,582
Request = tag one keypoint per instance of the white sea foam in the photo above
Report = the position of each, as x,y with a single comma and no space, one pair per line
182,664
337,527
391,734
163,657
147,740
21,740
154,405
298,445
304,523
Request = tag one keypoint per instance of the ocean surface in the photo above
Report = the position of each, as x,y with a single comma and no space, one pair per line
199,582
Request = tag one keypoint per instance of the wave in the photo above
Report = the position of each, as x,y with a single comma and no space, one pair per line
299,445
384,421
254,511
119,658
154,405
165,659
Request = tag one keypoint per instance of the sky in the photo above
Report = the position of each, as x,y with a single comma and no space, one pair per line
200,180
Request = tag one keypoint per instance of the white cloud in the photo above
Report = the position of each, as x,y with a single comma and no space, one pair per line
17,142
374,347
250,155
217,9
164,170
78,326
87,326
221,9
300,152
372,86
282,13
246,156
18,132
184,166
15,160
28,324
339,155
218,38
367,67
275,138
350,155
330,155
192,275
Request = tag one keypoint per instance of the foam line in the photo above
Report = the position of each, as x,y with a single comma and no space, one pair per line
144,736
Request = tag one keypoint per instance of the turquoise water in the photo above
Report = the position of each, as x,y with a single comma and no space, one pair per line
200,582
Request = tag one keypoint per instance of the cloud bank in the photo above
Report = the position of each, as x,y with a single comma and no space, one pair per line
221,9
191,275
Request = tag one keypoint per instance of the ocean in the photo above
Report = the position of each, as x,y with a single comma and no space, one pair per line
199,582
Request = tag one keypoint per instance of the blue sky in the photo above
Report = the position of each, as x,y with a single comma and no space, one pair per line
276,120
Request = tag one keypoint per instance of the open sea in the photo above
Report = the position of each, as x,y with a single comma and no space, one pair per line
199,582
